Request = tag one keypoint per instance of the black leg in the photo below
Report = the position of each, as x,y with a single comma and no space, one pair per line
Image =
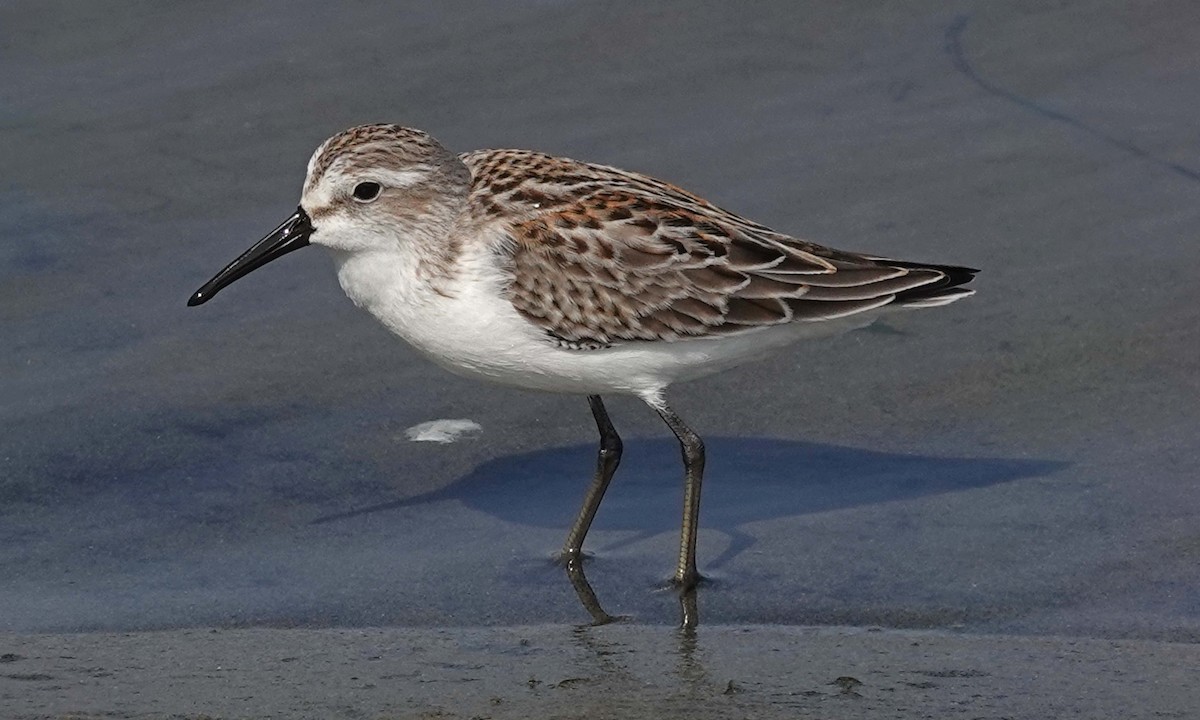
606,464
686,575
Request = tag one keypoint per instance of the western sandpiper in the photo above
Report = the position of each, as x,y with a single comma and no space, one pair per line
553,274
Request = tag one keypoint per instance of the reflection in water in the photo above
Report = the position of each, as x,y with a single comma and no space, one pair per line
689,615
690,668
628,665
587,596
750,480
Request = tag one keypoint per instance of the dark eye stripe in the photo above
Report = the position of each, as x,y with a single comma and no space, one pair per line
367,191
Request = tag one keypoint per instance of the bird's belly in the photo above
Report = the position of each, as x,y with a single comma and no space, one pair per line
513,352
472,330
499,346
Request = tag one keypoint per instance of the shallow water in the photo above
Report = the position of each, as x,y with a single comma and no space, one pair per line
1021,462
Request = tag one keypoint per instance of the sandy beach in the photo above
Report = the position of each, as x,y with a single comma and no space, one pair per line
613,671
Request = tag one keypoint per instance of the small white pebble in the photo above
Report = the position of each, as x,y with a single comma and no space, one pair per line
443,431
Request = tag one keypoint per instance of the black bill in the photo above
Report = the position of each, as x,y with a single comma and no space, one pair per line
291,235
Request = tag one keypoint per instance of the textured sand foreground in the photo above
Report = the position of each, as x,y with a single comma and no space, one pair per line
569,672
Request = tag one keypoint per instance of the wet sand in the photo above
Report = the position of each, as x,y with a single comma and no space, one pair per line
614,671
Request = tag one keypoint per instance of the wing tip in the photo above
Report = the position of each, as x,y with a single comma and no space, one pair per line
938,299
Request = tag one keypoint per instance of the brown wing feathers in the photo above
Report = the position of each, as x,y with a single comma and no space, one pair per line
640,260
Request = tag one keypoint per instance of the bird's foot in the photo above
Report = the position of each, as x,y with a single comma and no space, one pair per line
603,618
687,582
571,557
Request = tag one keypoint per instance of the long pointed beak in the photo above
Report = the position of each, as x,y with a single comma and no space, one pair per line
291,235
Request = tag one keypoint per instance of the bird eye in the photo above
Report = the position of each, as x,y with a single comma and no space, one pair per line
367,191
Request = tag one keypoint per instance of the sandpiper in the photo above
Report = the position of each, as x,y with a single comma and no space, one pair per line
553,274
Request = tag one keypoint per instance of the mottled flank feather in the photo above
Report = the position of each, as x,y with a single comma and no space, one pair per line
599,256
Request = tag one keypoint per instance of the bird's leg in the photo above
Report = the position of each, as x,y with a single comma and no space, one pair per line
686,576
606,464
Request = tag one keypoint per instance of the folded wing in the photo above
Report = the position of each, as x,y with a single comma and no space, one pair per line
611,256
